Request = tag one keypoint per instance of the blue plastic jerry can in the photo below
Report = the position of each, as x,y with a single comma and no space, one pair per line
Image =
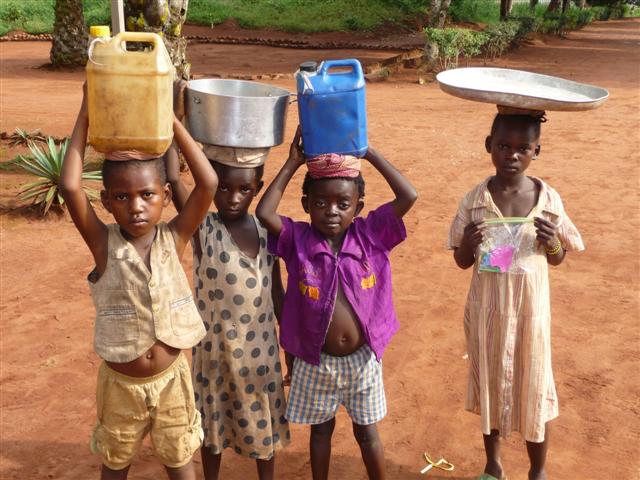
331,107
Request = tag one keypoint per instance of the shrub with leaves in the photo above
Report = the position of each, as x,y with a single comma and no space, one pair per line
526,26
452,43
500,36
47,166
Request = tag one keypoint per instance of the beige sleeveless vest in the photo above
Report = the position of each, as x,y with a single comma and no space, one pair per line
135,307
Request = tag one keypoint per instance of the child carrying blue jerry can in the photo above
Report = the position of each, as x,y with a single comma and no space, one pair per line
331,106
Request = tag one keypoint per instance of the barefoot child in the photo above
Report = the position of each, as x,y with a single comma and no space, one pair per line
338,314
507,316
237,375
145,311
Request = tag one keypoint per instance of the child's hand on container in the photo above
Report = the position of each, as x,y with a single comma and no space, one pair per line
473,235
371,154
179,87
296,157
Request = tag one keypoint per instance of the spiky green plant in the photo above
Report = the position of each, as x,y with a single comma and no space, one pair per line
23,137
47,166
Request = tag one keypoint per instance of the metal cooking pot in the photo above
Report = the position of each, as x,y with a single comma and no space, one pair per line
236,113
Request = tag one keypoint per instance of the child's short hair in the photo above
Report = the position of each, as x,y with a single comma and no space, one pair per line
529,120
309,180
110,166
220,167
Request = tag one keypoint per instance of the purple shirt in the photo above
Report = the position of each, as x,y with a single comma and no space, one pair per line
362,266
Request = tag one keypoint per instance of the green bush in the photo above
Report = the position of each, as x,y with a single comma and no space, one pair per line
631,11
528,24
453,43
500,36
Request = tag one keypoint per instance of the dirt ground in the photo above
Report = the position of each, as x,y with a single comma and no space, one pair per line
48,368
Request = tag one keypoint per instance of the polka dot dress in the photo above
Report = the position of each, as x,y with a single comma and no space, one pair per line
237,375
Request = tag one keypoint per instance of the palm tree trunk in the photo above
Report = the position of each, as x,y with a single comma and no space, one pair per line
70,35
164,17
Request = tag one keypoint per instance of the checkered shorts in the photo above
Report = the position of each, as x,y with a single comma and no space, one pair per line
354,381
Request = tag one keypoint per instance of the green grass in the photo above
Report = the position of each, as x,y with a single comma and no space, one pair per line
37,16
475,11
305,15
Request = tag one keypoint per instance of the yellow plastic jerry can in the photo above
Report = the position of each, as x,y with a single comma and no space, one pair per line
130,94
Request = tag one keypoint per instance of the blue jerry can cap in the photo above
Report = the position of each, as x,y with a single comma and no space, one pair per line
310,66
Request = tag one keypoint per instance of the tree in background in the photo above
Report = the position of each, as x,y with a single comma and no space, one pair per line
505,9
438,12
555,4
164,17
70,35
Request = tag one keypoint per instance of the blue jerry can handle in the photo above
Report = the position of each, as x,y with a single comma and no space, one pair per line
349,62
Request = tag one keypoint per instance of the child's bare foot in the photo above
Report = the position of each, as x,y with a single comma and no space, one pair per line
538,475
494,469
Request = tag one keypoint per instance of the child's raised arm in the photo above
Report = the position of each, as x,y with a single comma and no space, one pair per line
195,208
406,195
180,193
93,231
268,205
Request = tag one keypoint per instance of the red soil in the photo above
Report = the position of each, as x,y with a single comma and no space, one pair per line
48,368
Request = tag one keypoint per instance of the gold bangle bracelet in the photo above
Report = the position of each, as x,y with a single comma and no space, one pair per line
555,250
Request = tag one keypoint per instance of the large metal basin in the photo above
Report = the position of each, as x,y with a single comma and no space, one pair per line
520,89
236,113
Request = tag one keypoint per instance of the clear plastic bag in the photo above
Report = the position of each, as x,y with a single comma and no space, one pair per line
509,245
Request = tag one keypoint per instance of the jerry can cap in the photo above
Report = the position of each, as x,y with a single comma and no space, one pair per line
100,31
309,66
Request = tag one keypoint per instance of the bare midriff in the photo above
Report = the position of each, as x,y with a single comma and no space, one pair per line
155,360
344,335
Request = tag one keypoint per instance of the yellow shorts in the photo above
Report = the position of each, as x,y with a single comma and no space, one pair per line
129,408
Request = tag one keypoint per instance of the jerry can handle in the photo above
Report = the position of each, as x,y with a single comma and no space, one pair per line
146,37
349,62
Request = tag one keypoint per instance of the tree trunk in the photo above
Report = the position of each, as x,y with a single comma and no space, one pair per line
582,4
70,35
444,9
565,6
533,4
553,5
438,13
505,9
164,17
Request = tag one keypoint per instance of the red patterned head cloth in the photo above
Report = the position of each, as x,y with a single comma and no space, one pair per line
124,155
333,165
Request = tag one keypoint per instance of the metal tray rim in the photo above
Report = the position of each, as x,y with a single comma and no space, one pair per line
521,100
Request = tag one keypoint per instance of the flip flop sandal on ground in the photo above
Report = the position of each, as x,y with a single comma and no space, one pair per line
486,476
